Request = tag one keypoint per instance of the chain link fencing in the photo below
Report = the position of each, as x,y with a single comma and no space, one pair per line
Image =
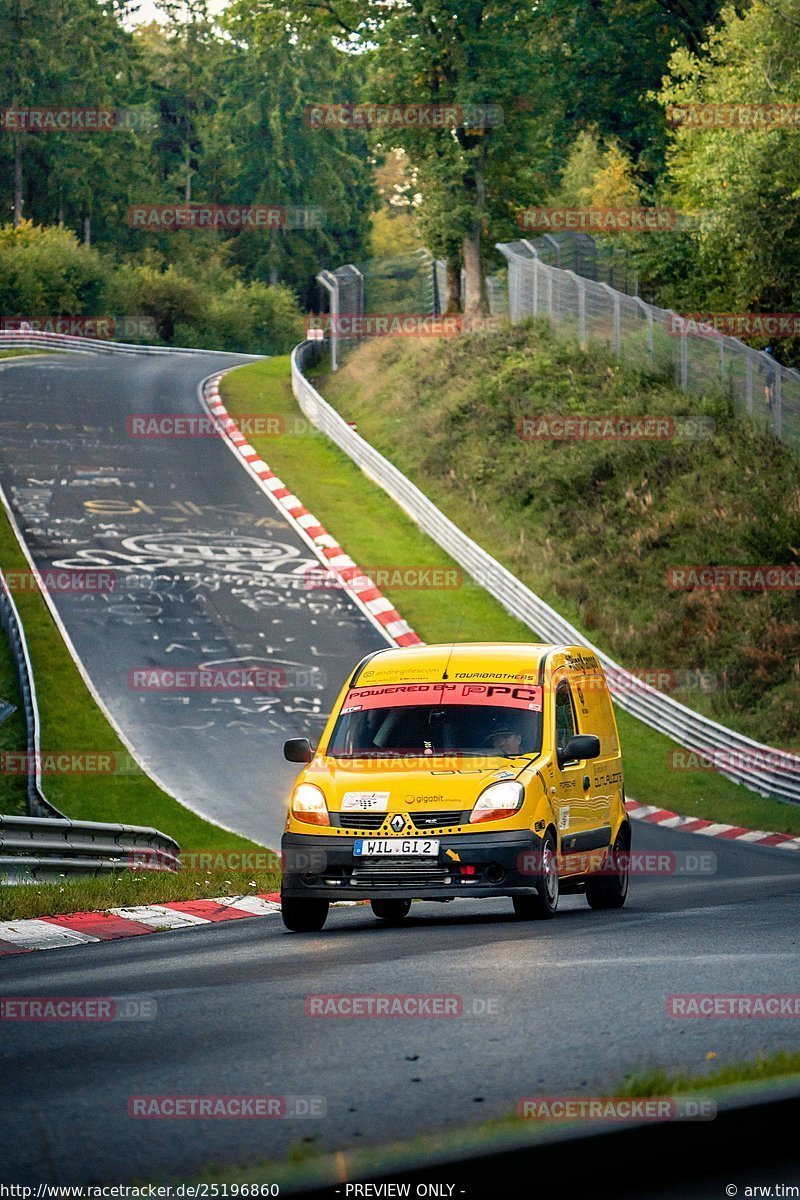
697,357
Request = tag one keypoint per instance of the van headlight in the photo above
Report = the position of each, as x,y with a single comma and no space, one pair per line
308,804
497,801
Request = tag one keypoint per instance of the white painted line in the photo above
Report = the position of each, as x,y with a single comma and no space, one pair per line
255,905
644,810
41,935
379,605
158,917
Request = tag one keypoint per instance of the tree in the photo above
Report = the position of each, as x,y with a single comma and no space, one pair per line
743,184
67,54
600,63
471,58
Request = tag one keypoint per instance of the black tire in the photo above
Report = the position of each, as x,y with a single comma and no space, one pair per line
393,911
304,916
611,890
542,906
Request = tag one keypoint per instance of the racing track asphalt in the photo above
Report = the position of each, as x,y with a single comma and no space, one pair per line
207,572
577,1001
573,1003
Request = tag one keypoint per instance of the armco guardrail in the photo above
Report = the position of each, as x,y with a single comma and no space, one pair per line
761,768
46,844
38,804
34,340
47,847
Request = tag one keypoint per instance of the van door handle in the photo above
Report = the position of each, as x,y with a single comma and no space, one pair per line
586,783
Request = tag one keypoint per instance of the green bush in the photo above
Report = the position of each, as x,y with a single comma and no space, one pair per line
221,313
45,271
248,318
171,299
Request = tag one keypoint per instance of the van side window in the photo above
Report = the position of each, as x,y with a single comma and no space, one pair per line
565,716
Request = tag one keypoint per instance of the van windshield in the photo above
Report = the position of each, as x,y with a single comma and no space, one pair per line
482,720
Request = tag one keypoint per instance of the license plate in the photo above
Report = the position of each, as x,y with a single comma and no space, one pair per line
379,847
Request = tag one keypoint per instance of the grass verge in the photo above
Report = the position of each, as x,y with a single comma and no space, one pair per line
88,894
375,531
308,1163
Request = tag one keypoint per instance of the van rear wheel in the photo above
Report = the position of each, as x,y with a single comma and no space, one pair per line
393,911
543,905
304,916
610,889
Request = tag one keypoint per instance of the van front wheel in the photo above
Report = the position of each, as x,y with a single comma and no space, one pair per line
610,889
543,905
304,916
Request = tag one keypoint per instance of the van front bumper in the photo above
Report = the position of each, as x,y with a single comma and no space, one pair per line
322,867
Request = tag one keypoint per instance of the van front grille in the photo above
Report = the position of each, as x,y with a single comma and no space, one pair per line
365,820
438,820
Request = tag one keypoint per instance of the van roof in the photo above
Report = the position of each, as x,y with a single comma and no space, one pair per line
462,660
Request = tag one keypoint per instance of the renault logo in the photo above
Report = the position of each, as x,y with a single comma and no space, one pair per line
398,822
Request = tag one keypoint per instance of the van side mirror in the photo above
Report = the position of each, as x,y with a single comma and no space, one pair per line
579,746
299,750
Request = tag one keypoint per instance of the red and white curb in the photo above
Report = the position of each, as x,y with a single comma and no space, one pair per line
76,929
352,578
731,833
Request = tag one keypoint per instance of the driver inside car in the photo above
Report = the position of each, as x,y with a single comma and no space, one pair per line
506,740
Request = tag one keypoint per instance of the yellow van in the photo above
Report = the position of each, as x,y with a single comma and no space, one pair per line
474,769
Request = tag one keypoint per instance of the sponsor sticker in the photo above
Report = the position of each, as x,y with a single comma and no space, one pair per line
528,698
365,801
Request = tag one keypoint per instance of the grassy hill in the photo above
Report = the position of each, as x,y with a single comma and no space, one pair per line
594,526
